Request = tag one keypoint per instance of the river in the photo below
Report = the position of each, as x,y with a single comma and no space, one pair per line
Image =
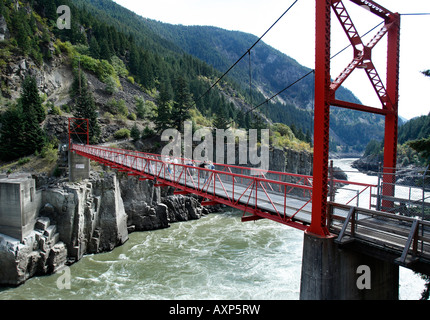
217,257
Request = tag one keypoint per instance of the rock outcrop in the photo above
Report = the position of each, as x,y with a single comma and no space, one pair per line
292,161
91,216
40,253
4,31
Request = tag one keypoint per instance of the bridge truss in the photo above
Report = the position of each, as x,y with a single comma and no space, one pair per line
325,93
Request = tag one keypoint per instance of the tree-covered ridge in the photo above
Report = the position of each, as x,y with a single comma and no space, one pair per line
413,144
416,128
112,52
271,71
114,43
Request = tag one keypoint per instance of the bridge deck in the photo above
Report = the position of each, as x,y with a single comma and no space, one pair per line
273,202
279,198
253,193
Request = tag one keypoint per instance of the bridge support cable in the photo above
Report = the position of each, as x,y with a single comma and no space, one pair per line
248,52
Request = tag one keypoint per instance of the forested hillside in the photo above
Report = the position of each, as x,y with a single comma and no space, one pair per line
146,76
105,53
271,71
413,145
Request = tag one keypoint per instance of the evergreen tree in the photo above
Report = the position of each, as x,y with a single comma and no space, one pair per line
105,49
86,108
30,99
33,136
21,29
94,48
134,60
135,133
20,133
182,103
220,120
50,10
11,134
163,118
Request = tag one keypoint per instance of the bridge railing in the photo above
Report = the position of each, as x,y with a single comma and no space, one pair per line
293,185
254,194
279,196
296,179
407,237
351,193
405,191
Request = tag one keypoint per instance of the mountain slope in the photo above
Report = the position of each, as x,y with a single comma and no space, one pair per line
156,54
271,71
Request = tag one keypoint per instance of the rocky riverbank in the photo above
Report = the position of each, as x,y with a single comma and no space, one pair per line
98,214
92,216
369,165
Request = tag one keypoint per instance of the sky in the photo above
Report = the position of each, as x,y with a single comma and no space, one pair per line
294,35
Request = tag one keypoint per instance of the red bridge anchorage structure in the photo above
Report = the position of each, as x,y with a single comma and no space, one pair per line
295,200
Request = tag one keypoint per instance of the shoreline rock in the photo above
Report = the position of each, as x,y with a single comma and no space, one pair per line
92,216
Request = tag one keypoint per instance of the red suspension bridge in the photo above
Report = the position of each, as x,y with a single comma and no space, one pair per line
278,196
315,204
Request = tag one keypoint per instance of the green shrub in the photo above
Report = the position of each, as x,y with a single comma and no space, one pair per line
118,107
122,134
49,152
23,161
55,111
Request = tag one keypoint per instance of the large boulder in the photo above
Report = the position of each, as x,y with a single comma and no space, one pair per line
183,208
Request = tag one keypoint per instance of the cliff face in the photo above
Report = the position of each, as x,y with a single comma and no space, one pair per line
292,161
91,216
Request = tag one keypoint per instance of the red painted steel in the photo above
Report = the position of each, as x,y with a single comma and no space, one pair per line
248,190
391,119
325,92
321,120
79,126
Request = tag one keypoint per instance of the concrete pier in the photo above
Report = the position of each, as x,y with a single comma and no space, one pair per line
19,205
79,167
332,273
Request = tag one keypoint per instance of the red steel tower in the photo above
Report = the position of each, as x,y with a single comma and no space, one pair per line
325,93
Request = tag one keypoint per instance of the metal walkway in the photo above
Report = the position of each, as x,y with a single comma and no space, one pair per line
281,197
278,196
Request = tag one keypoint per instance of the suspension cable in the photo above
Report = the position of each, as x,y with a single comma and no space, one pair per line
307,74
247,51
277,94
416,14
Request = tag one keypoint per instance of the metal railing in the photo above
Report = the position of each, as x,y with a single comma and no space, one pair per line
404,191
407,237
250,190
279,196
